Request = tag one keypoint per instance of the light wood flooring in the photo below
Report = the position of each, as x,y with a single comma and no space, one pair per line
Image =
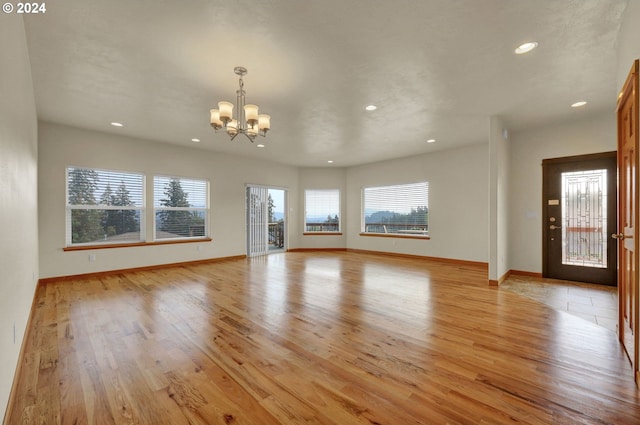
314,338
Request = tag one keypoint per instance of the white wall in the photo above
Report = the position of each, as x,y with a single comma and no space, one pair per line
527,150
62,146
18,197
628,45
458,222
323,178
498,200
458,203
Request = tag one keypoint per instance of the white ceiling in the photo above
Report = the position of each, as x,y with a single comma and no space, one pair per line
435,69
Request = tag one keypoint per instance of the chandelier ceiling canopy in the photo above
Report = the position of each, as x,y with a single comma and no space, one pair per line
249,122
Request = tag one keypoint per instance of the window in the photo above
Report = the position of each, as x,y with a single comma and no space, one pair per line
322,211
181,207
398,210
104,207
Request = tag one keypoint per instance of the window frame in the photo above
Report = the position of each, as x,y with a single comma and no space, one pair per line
410,234
69,208
206,211
339,214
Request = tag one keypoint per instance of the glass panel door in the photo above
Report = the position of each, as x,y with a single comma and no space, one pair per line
266,220
277,216
257,215
584,218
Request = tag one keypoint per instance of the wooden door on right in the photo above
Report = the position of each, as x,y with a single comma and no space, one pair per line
627,115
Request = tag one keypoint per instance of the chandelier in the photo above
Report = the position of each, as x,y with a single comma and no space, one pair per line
248,123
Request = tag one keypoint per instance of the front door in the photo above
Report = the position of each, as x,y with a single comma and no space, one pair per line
628,217
579,196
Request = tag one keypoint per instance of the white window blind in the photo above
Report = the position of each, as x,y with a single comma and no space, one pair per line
257,220
181,207
322,210
398,209
104,207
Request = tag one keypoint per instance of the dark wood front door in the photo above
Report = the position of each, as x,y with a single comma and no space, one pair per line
579,216
628,220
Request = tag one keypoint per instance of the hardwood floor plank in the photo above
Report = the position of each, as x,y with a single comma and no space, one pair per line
328,338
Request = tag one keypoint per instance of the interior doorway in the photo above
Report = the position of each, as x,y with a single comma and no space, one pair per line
266,220
579,215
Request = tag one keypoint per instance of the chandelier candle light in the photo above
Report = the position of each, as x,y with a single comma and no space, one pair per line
248,123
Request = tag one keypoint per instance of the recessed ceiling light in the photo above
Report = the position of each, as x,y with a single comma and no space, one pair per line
431,141
117,124
371,107
260,145
330,161
578,104
195,140
526,47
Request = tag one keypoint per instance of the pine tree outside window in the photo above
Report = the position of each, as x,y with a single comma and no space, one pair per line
181,208
104,207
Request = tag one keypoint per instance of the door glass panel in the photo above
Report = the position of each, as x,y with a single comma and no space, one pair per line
584,218
276,216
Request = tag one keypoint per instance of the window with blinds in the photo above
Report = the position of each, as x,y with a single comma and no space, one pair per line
322,211
104,207
400,209
181,208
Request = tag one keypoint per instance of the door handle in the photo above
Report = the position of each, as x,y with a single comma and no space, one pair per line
554,227
621,236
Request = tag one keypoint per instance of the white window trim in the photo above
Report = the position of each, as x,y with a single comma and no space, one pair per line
321,232
206,210
409,234
69,208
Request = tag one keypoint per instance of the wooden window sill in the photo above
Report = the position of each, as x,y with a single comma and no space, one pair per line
132,244
322,234
395,235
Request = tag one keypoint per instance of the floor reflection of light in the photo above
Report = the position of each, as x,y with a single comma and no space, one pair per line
267,290
321,282
410,290
317,297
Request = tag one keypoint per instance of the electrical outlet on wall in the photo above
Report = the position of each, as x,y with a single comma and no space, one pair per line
92,257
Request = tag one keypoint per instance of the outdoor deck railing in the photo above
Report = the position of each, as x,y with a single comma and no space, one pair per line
276,234
276,230
401,228
321,227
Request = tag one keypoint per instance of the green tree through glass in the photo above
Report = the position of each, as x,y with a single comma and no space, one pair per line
176,222
86,225
118,222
